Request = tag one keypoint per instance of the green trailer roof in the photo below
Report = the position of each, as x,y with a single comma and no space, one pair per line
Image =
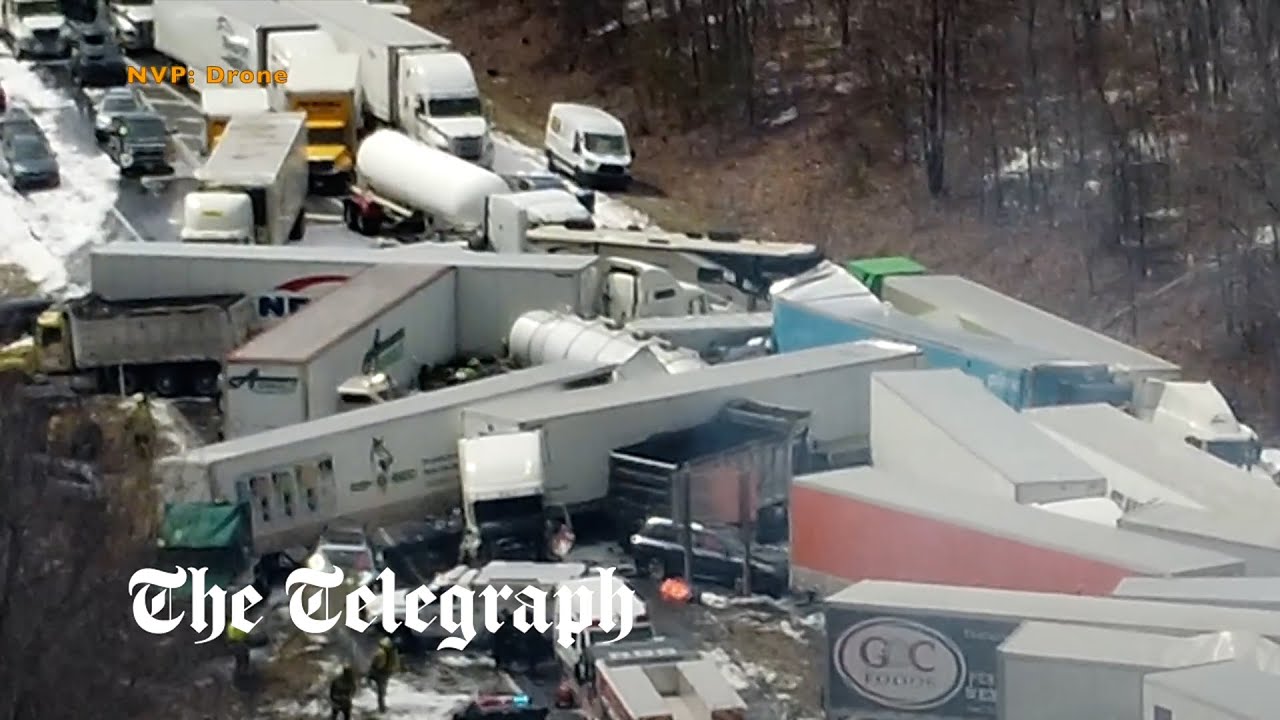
896,265
201,526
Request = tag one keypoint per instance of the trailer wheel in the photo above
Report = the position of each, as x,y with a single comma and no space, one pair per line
167,383
368,224
350,216
206,383
299,226
126,382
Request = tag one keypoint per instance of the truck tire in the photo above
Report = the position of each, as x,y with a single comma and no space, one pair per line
299,226
350,216
368,225
206,383
551,162
167,382
128,382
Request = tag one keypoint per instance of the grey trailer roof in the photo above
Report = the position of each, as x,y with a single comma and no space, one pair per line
262,14
1148,451
1244,592
1111,646
563,372
961,407
742,321
728,375
372,22
427,254
324,322
1024,323
1025,524
1236,687
252,148
1221,525
920,599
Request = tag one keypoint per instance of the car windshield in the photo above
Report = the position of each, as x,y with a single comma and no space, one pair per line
145,127
44,7
606,144
119,104
93,38
27,149
455,107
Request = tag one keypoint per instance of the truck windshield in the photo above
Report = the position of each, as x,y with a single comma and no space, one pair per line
327,136
42,7
606,144
1241,453
455,107
508,509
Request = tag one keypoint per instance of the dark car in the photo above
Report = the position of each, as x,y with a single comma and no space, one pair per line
96,59
526,181
139,143
658,548
28,163
17,122
501,707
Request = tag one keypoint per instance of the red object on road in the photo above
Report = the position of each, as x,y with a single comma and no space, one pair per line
675,590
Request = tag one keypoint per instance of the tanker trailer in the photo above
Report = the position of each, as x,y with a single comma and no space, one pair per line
408,187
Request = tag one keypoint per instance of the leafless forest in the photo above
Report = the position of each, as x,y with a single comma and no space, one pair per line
1141,130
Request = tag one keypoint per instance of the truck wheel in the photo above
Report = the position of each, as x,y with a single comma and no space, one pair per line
367,225
299,226
167,383
206,384
551,163
350,216
128,382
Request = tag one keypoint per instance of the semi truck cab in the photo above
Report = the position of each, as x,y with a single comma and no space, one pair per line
365,390
1197,413
441,106
134,23
503,504
46,350
37,28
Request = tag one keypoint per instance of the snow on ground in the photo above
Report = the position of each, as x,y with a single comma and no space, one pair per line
53,225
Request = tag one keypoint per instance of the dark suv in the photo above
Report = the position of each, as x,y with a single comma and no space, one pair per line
658,549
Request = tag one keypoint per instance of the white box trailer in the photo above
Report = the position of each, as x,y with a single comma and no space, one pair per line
224,34
952,300
1259,593
1234,690
1148,451
493,290
943,426
1052,671
389,319
390,462
581,430
1254,541
966,626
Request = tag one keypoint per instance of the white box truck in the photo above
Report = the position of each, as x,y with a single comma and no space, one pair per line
943,426
35,28
381,464
410,78
230,35
323,83
253,188
134,23
373,333
580,430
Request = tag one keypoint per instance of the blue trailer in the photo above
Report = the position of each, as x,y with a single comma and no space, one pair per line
1021,376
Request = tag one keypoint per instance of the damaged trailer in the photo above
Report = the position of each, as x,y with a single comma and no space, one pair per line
943,534
1259,593
713,336
943,426
542,336
967,626
389,462
492,290
579,431
378,329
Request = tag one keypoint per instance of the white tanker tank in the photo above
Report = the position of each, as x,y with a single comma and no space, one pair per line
401,181
540,336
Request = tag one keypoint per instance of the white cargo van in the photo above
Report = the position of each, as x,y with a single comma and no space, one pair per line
589,145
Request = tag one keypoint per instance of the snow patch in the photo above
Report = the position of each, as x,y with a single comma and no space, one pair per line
53,225
733,673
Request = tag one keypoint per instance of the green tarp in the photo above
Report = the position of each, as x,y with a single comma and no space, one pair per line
202,526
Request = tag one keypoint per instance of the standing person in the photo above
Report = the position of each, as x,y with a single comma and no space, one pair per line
386,662
239,642
342,690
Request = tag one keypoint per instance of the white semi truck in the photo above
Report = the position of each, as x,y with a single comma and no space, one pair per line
378,329
35,28
133,21
253,188
410,78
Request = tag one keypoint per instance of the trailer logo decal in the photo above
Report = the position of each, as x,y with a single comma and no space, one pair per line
254,381
900,664
383,352
289,297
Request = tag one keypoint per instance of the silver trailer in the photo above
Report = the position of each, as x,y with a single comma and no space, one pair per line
389,462
1233,690
995,543
389,320
943,426
966,627
1259,593
579,431
493,290
1126,443
956,301
1051,671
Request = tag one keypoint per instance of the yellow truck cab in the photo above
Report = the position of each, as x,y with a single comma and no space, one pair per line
44,352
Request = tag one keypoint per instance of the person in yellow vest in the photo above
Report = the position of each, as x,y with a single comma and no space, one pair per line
141,426
239,642
342,691
386,662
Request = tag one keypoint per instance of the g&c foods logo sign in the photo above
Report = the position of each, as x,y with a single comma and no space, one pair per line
900,664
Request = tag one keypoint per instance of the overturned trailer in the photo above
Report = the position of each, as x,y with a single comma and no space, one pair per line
381,464
542,336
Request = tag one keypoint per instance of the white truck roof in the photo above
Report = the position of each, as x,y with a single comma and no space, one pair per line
1111,646
372,22
1236,689
252,149
588,118
1174,520
326,321
221,102
325,73
669,241
1255,592
1017,321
